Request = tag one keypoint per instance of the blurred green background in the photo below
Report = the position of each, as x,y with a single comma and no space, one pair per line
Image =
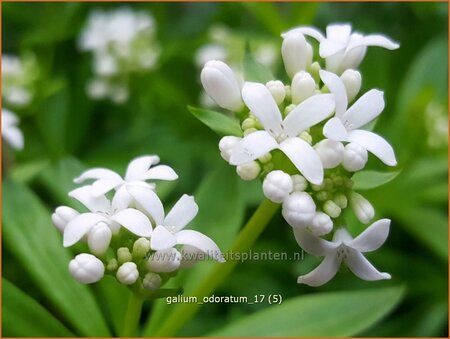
65,132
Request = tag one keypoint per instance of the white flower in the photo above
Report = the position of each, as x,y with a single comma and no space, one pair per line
169,230
277,185
321,224
303,86
277,89
352,82
299,209
330,152
296,52
166,260
343,248
363,209
86,268
248,171
354,158
127,273
343,49
99,237
345,125
139,170
62,216
101,210
10,132
282,134
221,84
226,145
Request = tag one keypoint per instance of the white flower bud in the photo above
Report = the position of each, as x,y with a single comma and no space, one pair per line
341,200
352,83
221,84
248,123
123,255
330,152
250,131
355,157
332,209
296,52
321,224
152,281
299,209
86,268
62,216
303,86
276,88
300,182
105,64
141,248
306,136
98,238
277,185
128,273
363,209
164,261
226,145
248,171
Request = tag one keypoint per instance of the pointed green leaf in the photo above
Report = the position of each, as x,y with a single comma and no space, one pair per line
337,314
366,180
218,122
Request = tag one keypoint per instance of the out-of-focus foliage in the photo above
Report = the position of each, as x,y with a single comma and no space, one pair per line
66,132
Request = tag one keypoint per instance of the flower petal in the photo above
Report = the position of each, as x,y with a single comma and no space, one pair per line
374,144
372,238
309,113
135,221
364,110
335,130
339,32
102,186
181,213
306,30
162,239
138,166
329,48
373,40
252,147
13,136
160,172
337,87
200,241
147,200
322,273
362,268
93,203
78,227
304,158
262,105
312,244
97,173
122,199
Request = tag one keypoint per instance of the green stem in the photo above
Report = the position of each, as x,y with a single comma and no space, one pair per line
132,316
183,312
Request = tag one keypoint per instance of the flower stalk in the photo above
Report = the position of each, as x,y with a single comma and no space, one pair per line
132,316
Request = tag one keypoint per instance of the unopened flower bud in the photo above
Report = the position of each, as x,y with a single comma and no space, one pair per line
303,86
296,52
306,136
355,157
250,131
112,265
363,209
62,216
332,209
152,281
265,158
226,145
128,273
248,171
276,88
300,182
330,152
288,109
321,224
352,83
277,185
86,268
248,123
123,255
164,261
141,248
314,70
341,200
99,238
299,209
221,84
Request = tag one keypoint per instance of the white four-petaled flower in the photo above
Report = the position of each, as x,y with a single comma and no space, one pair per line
343,248
283,134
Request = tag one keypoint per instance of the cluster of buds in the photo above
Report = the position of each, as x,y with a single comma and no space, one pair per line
127,232
122,42
304,142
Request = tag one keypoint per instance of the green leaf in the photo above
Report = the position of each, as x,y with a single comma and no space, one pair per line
366,180
337,314
25,317
36,244
218,122
254,71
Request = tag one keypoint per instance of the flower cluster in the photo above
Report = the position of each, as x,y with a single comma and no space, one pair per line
307,138
122,42
128,235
